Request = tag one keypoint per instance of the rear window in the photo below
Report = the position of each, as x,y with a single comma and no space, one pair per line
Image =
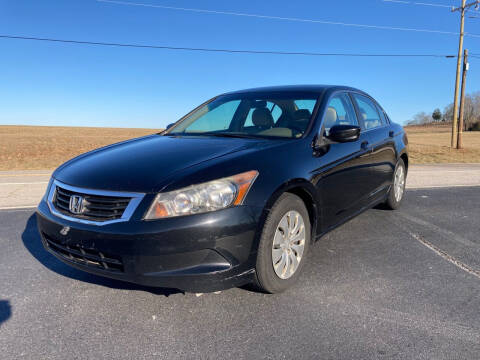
274,110
368,112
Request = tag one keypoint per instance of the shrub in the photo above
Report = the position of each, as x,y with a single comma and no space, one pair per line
475,127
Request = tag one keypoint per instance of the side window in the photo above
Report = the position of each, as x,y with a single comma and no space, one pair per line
382,114
339,112
274,109
276,112
387,119
219,118
368,112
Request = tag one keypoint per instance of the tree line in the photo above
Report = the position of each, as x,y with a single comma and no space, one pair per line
471,115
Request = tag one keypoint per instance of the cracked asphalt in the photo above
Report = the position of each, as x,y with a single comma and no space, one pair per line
371,290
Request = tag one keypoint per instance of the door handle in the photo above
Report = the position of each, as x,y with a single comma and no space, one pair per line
364,145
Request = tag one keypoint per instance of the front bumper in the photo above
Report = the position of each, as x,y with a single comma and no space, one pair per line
198,253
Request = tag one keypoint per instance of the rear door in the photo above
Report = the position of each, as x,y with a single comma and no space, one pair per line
376,132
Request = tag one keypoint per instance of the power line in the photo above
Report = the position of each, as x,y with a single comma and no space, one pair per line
325,22
148,46
418,3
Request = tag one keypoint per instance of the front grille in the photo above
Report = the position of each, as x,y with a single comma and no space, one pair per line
89,257
95,207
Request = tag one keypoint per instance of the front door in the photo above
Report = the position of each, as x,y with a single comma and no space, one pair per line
342,180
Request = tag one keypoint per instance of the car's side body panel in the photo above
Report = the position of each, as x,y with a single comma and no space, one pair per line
340,180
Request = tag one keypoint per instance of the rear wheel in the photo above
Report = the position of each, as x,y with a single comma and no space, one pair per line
283,245
397,190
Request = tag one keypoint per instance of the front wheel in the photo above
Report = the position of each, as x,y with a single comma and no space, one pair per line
284,244
397,190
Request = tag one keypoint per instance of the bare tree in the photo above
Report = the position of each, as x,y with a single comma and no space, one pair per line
475,116
448,113
420,118
471,116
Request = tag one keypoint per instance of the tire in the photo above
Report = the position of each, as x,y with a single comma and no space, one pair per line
394,201
272,278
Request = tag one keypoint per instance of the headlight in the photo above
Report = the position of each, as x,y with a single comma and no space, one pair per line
209,196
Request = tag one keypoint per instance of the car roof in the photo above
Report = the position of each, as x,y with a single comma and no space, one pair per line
319,89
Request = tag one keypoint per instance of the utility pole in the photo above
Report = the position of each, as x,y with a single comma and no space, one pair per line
462,100
457,79
462,10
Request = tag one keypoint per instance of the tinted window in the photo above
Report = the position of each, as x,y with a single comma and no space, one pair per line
305,105
368,112
218,118
388,121
339,112
274,110
382,115
282,114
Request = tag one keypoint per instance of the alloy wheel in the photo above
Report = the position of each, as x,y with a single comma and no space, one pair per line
288,244
399,183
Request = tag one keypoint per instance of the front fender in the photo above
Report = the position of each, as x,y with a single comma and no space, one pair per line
302,188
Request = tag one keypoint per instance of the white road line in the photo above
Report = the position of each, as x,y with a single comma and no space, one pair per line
447,234
12,175
26,183
445,255
426,187
442,171
26,207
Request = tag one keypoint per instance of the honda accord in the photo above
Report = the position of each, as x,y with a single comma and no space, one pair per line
235,192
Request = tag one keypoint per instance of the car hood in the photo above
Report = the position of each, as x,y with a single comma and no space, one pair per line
139,165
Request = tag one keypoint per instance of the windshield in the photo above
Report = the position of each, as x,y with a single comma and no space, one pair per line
250,115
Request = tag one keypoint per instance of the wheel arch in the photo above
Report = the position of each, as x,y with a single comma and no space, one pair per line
305,191
404,157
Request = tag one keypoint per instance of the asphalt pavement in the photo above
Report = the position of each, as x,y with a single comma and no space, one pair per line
387,285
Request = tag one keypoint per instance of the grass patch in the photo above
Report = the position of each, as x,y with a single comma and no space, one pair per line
431,144
46,147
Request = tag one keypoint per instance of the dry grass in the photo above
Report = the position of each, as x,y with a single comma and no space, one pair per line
46,147
431,144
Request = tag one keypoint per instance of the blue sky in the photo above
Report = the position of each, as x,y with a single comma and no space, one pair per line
61,84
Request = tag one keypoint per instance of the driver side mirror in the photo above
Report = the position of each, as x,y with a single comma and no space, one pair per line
169,126
344,133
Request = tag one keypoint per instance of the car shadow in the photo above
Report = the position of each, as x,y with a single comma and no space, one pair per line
32,242
5,311
382,206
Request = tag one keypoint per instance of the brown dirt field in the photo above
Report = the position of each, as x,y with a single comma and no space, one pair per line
46,147
431,144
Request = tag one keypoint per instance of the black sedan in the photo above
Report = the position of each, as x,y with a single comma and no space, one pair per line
235,192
